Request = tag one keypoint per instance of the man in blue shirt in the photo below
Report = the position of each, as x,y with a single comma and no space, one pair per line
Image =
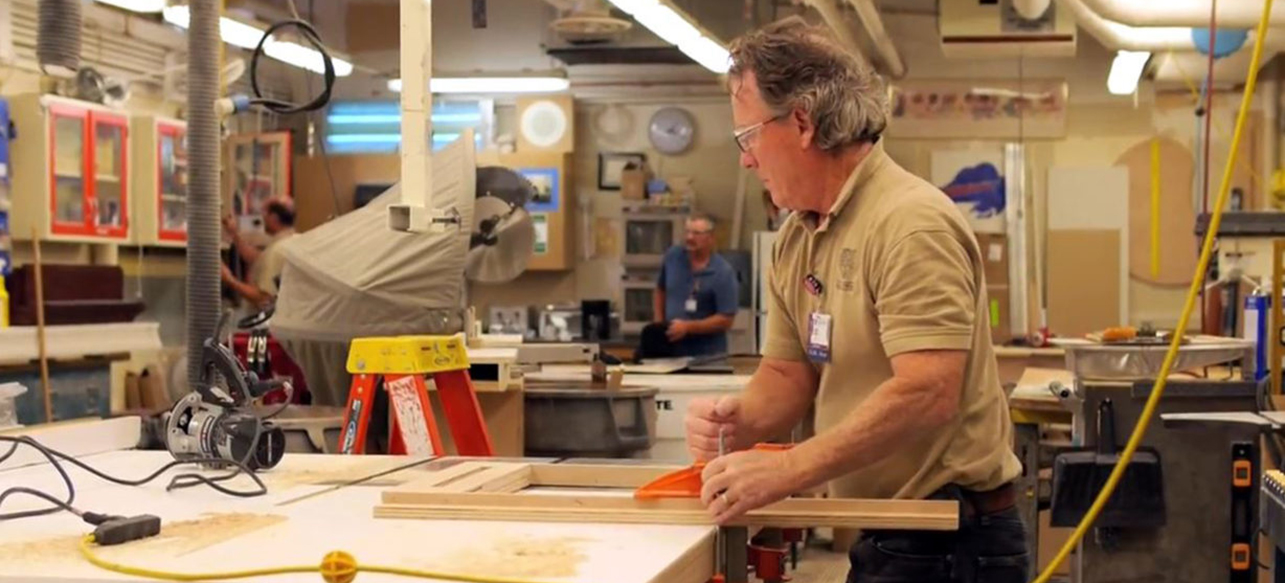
696,294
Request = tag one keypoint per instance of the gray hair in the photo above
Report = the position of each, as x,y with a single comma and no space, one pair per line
800,66
700,216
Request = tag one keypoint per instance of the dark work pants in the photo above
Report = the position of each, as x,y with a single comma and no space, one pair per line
987,548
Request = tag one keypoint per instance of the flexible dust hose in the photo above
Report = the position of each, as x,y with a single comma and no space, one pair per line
1197,280
203,282
58,37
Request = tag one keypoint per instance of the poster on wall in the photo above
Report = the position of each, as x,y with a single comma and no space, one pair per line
974,180
1033,108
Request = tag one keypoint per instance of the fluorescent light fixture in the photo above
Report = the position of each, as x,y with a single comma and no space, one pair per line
708,53
490,84
233,32
662,21
389,118
305,57
137,5
632,7
1126,69
240,34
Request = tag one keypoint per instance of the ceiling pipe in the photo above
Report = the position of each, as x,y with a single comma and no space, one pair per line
1117,36
1231,14
868,14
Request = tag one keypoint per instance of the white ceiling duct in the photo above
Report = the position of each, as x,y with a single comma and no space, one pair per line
1118,36
832,14
1231,13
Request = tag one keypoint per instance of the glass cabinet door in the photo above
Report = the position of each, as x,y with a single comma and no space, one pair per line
69,167
109,173
172,210
259,166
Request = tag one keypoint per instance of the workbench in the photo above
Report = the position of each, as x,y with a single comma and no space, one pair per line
316,504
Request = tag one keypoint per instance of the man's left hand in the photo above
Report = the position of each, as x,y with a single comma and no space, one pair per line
742,481
678,329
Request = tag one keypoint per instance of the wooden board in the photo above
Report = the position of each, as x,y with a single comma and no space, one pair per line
1084,281
1177,240
789,513
482,490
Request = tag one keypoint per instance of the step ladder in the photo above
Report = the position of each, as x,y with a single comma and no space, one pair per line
402,363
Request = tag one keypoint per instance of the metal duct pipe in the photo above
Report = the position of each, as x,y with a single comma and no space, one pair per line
1185,12
203,299
58,37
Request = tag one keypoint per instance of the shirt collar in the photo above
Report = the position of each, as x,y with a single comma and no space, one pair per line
859,177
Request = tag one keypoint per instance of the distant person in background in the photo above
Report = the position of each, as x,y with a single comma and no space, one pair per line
265,264
696,298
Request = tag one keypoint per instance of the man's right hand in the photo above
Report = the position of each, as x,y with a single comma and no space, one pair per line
704,418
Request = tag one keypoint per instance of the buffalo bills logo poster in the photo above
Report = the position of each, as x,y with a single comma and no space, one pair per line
974,180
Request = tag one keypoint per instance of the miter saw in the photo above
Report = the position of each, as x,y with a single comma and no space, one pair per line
217,420
502,239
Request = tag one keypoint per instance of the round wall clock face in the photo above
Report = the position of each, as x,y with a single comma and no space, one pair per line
543,123
671,130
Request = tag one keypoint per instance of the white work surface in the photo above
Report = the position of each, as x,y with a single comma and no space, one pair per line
20,344
301,519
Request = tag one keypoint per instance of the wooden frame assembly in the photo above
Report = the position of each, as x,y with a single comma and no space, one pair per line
484,490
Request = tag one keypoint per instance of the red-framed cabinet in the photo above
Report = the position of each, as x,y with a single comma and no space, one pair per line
160,181
71,170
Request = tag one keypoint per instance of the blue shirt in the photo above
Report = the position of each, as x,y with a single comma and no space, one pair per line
714,288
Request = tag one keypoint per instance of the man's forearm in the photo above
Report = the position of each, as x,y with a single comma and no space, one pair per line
868,434
771,405
711,325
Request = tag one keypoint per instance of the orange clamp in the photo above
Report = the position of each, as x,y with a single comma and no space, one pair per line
687,482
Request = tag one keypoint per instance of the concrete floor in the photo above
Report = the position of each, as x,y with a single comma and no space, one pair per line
820,565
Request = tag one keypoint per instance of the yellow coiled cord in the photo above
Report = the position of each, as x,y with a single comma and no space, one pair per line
336,567
1215,219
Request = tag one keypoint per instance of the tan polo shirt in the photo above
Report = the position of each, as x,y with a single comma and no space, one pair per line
268,265
900,271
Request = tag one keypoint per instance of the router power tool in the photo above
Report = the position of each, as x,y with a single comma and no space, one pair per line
217,420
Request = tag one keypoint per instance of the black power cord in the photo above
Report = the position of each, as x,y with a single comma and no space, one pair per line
284,107
56,459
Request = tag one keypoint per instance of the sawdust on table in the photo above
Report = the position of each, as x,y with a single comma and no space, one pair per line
536,557
175,539
358,471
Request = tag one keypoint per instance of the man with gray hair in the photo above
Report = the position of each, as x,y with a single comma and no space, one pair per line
695,301
876,316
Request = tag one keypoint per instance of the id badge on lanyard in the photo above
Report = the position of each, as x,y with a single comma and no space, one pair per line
690,304
820,325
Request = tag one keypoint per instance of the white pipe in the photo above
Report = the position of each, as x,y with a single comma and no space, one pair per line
1231,13
1116,36
868,14
1119,37
1031,9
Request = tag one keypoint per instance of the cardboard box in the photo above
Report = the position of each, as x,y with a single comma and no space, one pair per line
999,313
994,248
633,184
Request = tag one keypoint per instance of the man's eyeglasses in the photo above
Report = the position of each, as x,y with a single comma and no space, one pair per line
742,136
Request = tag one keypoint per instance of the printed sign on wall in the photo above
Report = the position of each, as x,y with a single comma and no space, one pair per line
974,179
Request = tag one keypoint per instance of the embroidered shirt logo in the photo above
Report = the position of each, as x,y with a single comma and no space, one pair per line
847,268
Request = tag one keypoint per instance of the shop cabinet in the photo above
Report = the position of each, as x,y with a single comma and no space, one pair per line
160,181
71,170
256,170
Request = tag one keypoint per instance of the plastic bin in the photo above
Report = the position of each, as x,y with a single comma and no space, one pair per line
583,422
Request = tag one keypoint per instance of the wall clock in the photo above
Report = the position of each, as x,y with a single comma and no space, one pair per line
671,130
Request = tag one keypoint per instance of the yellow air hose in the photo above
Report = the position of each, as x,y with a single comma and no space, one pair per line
1196,283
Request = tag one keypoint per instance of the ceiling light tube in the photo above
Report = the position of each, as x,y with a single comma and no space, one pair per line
632,7
233,32
662,21
491,84
707,53
145,6
1126,69
305,57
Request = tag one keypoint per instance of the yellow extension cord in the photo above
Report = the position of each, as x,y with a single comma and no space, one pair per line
1215,219
336,567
